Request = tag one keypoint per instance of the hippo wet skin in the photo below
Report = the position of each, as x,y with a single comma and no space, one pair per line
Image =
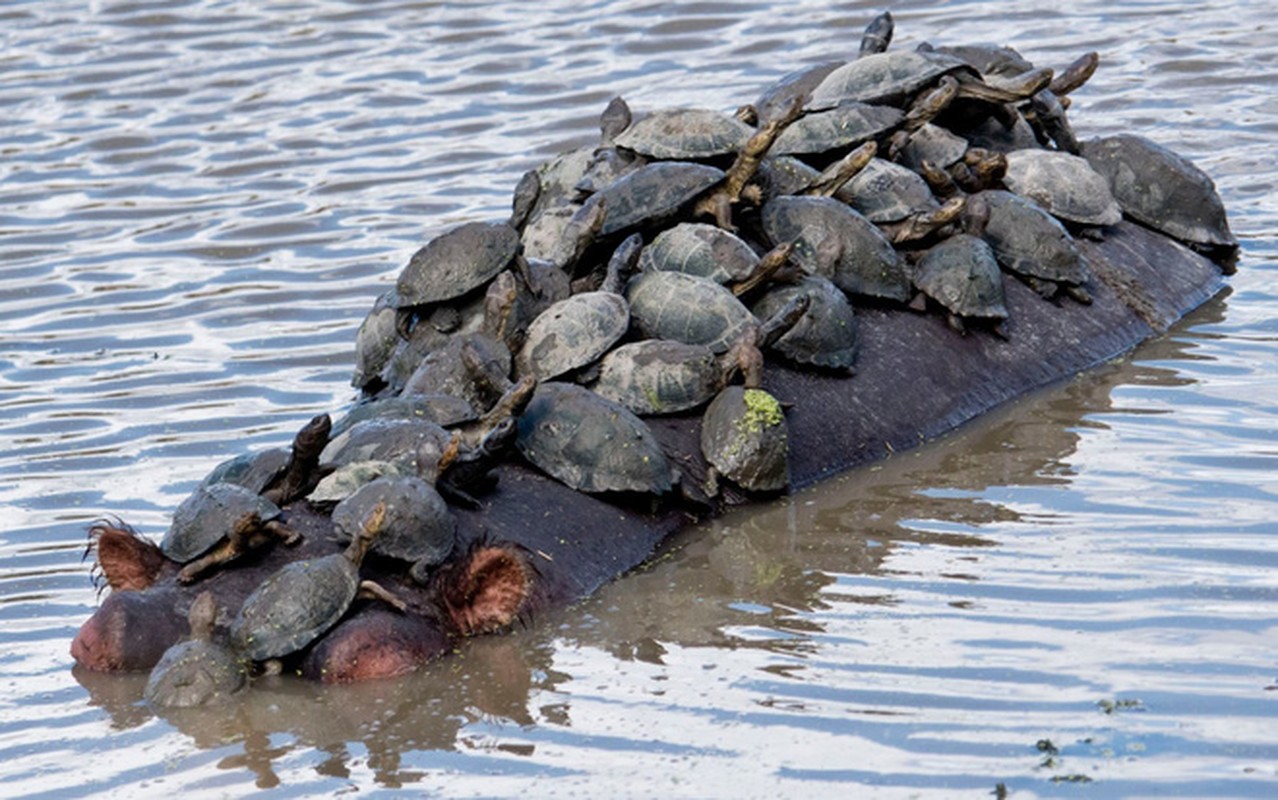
534,544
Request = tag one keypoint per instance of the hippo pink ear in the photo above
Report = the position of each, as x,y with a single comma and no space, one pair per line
486,589
128,560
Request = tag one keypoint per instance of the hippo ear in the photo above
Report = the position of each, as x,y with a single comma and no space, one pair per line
486,589
128,560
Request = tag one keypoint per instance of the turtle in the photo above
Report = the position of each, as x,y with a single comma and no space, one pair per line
651,195
1162,189
899,201
684,134
736,186
776,100
894,76
697,248
344,481
686,308
376,340
1033,245
783,175
456,262
470,472
660,376
417,528
515,298
303,599
591,444
400,441
1064,185
417,341
826,336
441,409
834,241
524,199
198,670
579,329
218,523
961,274
744,435
253,471
444,371
838,128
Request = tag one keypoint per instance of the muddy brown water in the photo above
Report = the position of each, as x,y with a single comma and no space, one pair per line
1074,596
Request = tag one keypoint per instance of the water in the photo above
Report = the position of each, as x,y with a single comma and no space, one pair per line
199,202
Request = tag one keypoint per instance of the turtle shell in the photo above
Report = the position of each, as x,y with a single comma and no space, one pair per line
658,376
206,516
699,249
886,192
883,78
376,340
443,371
572,333
400,441
1161,189
193,673
457,261
686,308
1029,241
840,128
826,335
591,444
745,436
836,242
652,194
1065,185
253,471
778,97
685,134
418,526
935,144
293,606
542,236
342,482
441,409
961,273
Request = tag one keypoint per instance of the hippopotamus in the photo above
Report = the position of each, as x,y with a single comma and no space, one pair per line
532,544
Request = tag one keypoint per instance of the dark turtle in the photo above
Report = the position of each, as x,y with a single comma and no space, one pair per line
456,262
744,435
651,195
376,340
1033,245
470,472
933,143
685,134
659,376
893,77
699,249
441,409
196,671
794,87
417,341
418,527
400,441
579,329
783,175
899,201
253,471
826,336
305,598
591,444
218,523
836,242
1064,185
686,308
1161,189
444,371
962,275
839,128
514,299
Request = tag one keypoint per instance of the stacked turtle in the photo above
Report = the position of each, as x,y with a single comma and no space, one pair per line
654,274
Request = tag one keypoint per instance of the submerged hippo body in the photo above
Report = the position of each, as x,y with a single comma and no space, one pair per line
534,544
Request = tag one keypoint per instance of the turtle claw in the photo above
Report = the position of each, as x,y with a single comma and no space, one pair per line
370,590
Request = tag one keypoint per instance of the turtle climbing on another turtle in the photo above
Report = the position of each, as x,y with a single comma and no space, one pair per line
961,274
199,670
418,527
1033,245
305,598
219,523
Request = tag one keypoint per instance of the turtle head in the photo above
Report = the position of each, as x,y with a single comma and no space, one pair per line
202,616
369,528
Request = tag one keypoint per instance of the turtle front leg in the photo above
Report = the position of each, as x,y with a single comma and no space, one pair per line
371,590
225,551
282,532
